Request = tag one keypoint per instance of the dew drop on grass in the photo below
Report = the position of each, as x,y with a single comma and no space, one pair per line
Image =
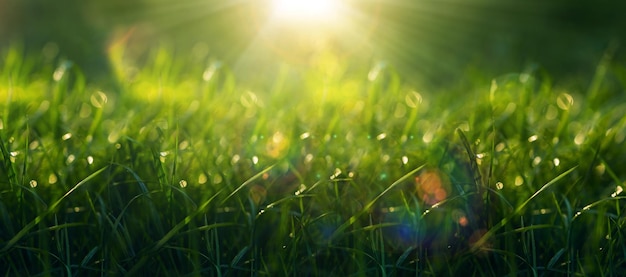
405,159
255,159
618,190
89,160
428,136
533,138
235,159
301,189
499,185
556,161
305,135
536,161
600,169
308,158
381,136
202,179
500,146
580,138
98,99
33,183
519,181
52,179
33,145
564,101
217,179
70,159
183,145
66,136
182,183
413,99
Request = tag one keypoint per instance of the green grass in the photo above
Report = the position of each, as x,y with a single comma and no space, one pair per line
179,168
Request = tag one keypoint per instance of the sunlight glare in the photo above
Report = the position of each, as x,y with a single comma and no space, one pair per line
305,10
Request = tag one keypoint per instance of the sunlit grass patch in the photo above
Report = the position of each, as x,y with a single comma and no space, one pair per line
181,170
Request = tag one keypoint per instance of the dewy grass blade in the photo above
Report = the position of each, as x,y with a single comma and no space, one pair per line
50,210
369,205
505,220
257,176
170,234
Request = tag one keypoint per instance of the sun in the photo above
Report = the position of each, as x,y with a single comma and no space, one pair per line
317,11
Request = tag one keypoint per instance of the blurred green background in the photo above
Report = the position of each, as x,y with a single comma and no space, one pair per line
431,41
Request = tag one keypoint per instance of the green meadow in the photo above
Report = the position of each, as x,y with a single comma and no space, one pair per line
187,171
175,164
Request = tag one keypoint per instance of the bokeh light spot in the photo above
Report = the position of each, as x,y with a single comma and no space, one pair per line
430,187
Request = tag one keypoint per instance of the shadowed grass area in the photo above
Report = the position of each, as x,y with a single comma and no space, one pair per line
185,170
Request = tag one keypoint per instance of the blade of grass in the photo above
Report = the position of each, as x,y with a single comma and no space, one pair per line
369,205
50,210
479,244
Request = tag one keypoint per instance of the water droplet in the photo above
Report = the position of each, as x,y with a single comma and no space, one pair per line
217,179
519,181
500,146
66,136
182,183
98,99
564,101
235,159
305,135
499,185
202,179
89,160
183,145
33,183
618,190
255,159
70,159
308,158
405,159
556,161
301,189
52,178
163,153
381,136
336,173
428,136
413,99
536,161
580,138
600,169
533,138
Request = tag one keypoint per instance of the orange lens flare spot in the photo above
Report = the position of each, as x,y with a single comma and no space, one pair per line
431,187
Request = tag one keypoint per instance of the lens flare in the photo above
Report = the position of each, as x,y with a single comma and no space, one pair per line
431,187
305,10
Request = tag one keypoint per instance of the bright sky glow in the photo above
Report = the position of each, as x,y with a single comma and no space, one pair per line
305,10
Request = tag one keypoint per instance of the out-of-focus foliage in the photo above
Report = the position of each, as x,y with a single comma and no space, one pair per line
432,40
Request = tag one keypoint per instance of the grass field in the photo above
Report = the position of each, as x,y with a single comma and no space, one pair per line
181,168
